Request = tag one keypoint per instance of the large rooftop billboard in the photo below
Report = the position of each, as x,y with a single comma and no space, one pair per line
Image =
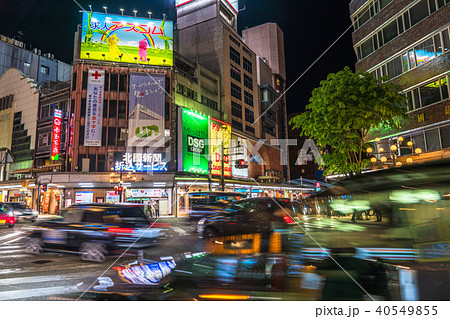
116,38
233,3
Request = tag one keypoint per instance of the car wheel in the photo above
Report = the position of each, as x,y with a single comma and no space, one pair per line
209,233
33,246
11,225
93,252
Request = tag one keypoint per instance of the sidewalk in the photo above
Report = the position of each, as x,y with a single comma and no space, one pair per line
372,221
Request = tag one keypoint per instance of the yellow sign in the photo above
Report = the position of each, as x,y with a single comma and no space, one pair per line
447,110
220,141
421,117
238,244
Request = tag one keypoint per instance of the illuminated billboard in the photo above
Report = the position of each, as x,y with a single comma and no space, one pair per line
219,133
56,135
116,38
194,142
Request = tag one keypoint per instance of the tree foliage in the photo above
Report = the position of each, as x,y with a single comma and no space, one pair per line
342,110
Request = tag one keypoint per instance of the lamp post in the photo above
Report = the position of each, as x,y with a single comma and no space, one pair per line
394,146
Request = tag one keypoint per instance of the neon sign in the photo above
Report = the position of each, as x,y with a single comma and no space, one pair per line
141,162
56,135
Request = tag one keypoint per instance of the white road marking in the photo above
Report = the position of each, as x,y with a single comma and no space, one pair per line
179,230
38,292
166,258
12,251
26,280
11,247
15,256
11,235
11,241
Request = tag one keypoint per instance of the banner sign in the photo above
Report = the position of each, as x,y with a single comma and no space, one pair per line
219,135
141,162
194,140
84,197
239,152
56,135
234,4
146,109
117,38
94,108
112,197
151,192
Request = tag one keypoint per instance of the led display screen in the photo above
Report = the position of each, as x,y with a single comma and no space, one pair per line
116,38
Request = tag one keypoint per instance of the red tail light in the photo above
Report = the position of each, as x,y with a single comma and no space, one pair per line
288,219
121,230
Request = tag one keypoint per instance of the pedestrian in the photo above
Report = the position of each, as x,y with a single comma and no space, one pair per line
354,216
156,206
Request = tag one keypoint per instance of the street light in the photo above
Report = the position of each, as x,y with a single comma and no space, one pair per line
122,10
418,150
393,148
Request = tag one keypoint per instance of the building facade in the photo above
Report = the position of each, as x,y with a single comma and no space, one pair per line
408,40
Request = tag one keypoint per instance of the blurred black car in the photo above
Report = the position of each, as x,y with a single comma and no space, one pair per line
93,231
22,211
262,215
204,204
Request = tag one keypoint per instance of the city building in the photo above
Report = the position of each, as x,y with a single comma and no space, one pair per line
42,68
408,40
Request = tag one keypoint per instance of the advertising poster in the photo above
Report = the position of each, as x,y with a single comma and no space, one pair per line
56,135
194,140
111,197
116,38
239,147
84,197
94,108
46,202
146,109
220,133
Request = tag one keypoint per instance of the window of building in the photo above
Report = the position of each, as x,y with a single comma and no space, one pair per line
235,55
395,67
445,136
26,67
250,129
236,91
247,65
113,109
122,109
249,116
209,103
123,135
235,73
444,88
390,31
446,38
265,96
424,52
45,69
187,92
234,40
418,12
248,98
236,125
111,136
432,139
236,109
247,51
43,140
248,82
430,93
418,140
114,82
366,48
123,83
85,79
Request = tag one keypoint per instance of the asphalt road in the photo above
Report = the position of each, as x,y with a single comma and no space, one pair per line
58,276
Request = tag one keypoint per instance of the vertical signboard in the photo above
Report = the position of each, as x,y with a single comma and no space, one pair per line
219,140
56,135
94,108
239,147
146,109
194,141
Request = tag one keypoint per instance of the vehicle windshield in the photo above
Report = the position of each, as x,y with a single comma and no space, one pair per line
18,205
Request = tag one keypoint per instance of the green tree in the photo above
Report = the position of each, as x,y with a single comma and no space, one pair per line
342,111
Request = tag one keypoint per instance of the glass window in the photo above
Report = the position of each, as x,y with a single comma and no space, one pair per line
432,138
412,59
247,66
366,48
406,19
437,44
432,5
445,136
45,70
236,109
430,93
236,125
418,12
265,96
416,99
248,98
112,109
410,101
236,91
235,73
424,51
390,31
248,82
249,129
364,17
395,67
441,3
444,88
400,24
249,116
419,141
235,56
445,36
384,3
405,62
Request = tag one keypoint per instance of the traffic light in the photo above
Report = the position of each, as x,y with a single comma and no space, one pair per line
240,164
44,188
118,190
318,187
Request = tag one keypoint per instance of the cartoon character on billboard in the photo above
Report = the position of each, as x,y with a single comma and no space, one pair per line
143,50
114,52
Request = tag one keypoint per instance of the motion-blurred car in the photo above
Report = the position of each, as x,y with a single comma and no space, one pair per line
22,212
6,216
204,204
94,231
262,215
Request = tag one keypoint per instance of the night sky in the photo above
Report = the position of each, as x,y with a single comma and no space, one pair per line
309,28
